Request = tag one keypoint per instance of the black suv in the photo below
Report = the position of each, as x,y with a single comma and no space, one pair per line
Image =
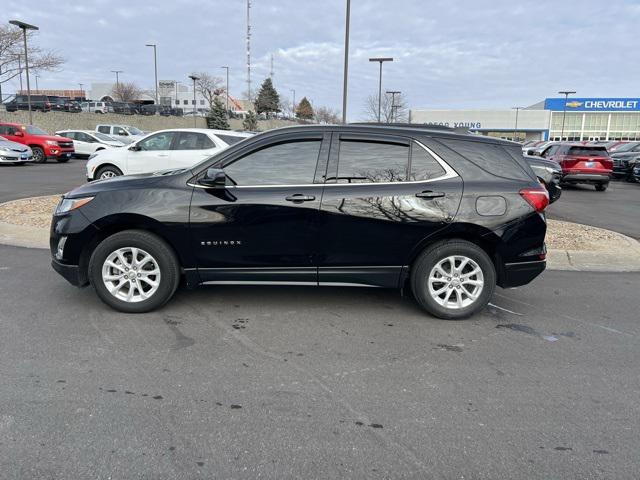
21,102
446,214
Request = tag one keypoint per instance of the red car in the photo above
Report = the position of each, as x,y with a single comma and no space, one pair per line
590,164
44,146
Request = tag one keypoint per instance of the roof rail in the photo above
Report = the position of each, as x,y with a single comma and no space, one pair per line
425,126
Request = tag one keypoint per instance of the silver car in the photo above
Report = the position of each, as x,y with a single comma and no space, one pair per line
16,153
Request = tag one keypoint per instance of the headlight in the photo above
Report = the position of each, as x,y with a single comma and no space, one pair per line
51,142
68,204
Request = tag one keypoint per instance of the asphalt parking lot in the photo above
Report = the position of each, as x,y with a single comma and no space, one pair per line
241,382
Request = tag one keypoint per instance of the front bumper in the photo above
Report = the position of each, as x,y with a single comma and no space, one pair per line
9,158
586,178
70,273
521,273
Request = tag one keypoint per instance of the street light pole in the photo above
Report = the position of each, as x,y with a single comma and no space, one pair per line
155,66
293,91
194,78
566,94
25,27
81,92
117,72
346,62
227,90
393,94
515,129
37,88
380,60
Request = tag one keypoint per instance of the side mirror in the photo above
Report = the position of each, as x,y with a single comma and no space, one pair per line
124,134
135,148
214,178
531,152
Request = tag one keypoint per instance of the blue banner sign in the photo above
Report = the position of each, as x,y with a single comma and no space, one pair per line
593,104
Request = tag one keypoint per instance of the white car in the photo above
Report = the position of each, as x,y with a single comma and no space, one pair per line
96,107
162,150
86,142
125,133
13,152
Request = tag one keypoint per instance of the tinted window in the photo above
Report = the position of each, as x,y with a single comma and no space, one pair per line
193,141
71,135
288,163
366,161
230,139
490,157
119,131
159,141
104,129
423,165
588,151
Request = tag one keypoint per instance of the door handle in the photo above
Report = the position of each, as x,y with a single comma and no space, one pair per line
299,198
430,194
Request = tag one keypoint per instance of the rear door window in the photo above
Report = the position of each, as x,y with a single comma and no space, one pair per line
372,160
193,141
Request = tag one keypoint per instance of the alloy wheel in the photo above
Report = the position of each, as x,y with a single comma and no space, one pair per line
131,274
456,282
108,174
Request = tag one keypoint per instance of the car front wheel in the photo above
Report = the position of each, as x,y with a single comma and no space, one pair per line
38,155
453,280
134,271
108,171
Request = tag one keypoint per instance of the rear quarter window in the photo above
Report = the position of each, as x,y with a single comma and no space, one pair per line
230,139
490,157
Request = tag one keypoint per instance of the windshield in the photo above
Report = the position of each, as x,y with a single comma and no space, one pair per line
625,147
588,151
31,130
103,137
134,131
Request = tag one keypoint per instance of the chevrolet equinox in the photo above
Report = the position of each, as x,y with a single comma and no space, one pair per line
448,215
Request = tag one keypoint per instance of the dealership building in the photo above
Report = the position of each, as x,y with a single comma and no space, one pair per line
584,119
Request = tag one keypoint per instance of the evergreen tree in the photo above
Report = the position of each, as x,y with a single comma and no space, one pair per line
250,122
304,110
268,100
217,117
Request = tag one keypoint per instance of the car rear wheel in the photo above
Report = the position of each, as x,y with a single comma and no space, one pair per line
38,155
134,271
453,280
108,171
601,187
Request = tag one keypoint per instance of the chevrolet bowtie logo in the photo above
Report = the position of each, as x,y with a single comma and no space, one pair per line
574,104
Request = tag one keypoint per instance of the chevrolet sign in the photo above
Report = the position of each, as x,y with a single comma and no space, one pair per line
593,104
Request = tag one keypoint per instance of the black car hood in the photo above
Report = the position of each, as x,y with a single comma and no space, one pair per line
127,182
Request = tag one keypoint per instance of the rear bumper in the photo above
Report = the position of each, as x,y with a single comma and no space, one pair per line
586,178
71,273
521,273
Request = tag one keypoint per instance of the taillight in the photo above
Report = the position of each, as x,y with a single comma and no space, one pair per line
538,198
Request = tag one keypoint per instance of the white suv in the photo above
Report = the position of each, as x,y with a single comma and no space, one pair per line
162,150
96,107
125,133
86,142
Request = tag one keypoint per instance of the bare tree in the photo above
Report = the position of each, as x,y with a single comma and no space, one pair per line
327,115
399,112
126,92
209,86
12,54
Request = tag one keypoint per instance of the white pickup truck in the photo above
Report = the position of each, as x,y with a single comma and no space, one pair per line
124,133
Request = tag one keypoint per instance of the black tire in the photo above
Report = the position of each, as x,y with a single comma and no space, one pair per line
424,264
164,256
62,160
38,155
601,187
108,169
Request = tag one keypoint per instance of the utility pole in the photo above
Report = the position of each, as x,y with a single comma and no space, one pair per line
566,94
227,90
249,50
346,62
515,130
393,94
81,91
155,66
294,102
271,70
380,60
25,27
37,88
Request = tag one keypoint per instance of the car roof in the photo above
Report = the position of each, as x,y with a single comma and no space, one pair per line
206,130
390,128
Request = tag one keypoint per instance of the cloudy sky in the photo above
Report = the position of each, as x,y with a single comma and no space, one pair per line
448,54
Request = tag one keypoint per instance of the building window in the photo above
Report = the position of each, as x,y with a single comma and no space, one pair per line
185,102
201,102
177,101
193,102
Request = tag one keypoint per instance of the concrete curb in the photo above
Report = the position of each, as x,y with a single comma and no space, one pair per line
624,259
